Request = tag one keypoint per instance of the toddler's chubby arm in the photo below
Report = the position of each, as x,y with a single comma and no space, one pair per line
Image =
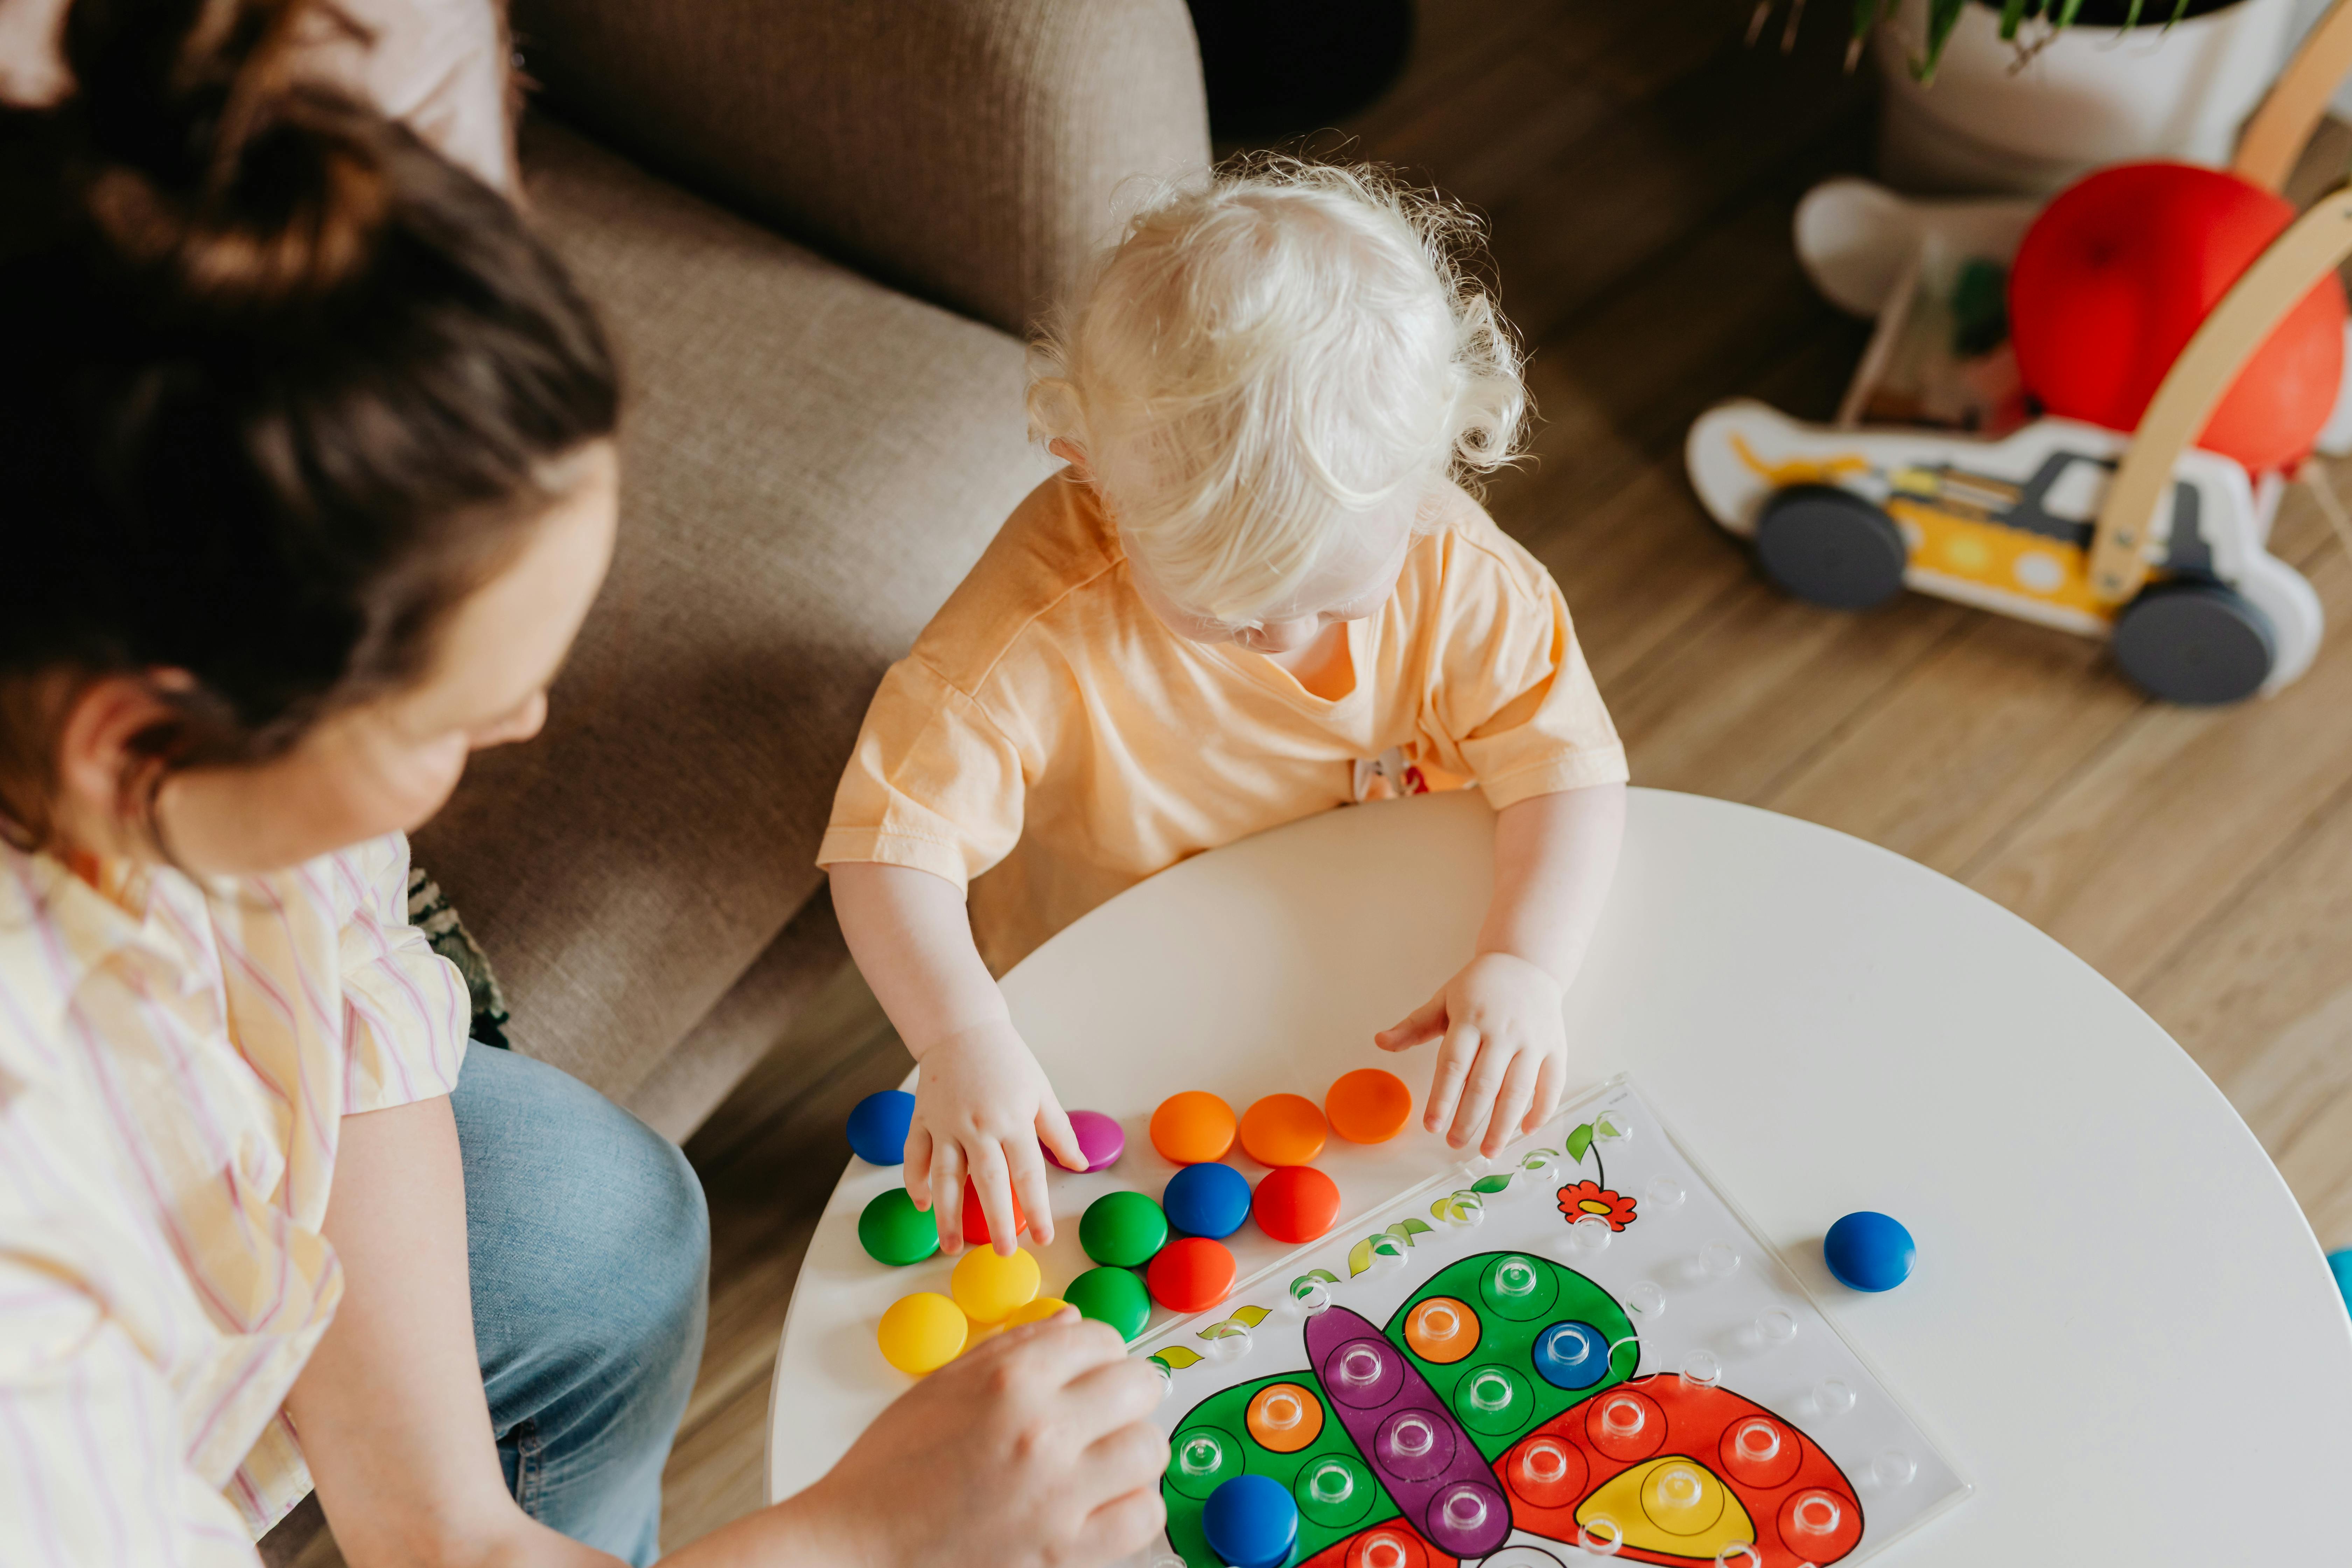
983,1101
1504,1059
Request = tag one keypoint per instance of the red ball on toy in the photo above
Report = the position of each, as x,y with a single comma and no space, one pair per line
2117,274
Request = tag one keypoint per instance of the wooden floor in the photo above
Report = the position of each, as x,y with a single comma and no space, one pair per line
1639,166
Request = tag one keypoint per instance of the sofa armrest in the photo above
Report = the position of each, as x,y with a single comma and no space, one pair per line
969,151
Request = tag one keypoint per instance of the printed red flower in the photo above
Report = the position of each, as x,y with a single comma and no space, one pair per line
1593,1198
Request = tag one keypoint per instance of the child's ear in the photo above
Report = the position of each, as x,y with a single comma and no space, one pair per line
1070,453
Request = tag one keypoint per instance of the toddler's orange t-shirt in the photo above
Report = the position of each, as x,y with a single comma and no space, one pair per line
1050,742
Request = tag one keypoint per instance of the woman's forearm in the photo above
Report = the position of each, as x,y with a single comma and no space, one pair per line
1555,856
913,938
390,1406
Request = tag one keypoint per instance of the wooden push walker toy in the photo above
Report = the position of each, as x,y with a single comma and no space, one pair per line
2134,535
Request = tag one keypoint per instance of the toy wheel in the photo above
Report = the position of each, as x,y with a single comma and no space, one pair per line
2195,643
1830,547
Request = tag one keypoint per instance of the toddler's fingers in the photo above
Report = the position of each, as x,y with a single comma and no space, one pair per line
1053,1127
1511,1102
1424,1023
1452,1067
1478,1094
992,1183
1027,1164
917,1167
1548,1082
946,1193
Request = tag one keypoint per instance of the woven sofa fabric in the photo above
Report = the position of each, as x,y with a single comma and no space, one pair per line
811,462
976,152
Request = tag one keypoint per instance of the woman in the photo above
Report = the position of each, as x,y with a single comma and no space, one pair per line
308,450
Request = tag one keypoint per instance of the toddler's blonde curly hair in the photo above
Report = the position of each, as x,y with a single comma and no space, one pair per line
1271,354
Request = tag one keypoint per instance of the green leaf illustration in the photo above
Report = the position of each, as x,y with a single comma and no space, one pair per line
1606,1128
1387,1246
1176,1358
1409,1228
1251,1316
1457,1207
1226,1329
1359,1258
1578,1141
1324,1275
1493,1183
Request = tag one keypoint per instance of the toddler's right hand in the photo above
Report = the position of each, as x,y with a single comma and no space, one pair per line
981,1103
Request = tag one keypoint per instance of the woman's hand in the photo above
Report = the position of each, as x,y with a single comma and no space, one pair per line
1504,1059
1033,1450
980,1107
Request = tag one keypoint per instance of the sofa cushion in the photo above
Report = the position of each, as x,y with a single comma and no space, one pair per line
811,462
977,152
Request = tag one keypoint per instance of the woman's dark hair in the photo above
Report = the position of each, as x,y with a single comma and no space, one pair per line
278,386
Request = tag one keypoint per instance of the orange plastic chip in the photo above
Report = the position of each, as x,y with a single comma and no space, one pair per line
1192,1127
1283,1130
1369,1106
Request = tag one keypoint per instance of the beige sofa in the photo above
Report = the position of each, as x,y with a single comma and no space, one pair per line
817,229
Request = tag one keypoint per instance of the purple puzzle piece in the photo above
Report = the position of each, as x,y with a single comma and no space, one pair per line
1414,1444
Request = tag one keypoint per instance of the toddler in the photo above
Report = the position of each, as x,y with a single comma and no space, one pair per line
1257,591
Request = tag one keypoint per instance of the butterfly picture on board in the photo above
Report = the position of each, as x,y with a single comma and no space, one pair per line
1497,1413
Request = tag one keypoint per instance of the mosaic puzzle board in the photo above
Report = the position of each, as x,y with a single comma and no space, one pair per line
1468,1375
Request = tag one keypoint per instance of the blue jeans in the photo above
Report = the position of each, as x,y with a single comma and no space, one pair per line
589,1252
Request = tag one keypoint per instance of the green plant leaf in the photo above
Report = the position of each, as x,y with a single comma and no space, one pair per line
1865,16
1578,1143
1943,15
2067,11
1359,1256
2012,12
1176,1358
1493,1183
1252,1316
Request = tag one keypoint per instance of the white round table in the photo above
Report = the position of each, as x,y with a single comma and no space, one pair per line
2121,1327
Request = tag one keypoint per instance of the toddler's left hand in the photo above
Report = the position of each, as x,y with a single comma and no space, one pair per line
1504,1059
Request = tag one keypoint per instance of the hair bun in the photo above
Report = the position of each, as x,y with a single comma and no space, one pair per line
203,157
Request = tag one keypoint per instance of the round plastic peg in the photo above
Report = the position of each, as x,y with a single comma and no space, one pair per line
1192,1274
1210,1199
1251,1521
1034,1311
1100,1139
921,1332
1368,1106
1283,1130
877,1127
1123,1229
1868,1251
1192,1127
1295,1202
894,1231
989,1287
1113,1296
